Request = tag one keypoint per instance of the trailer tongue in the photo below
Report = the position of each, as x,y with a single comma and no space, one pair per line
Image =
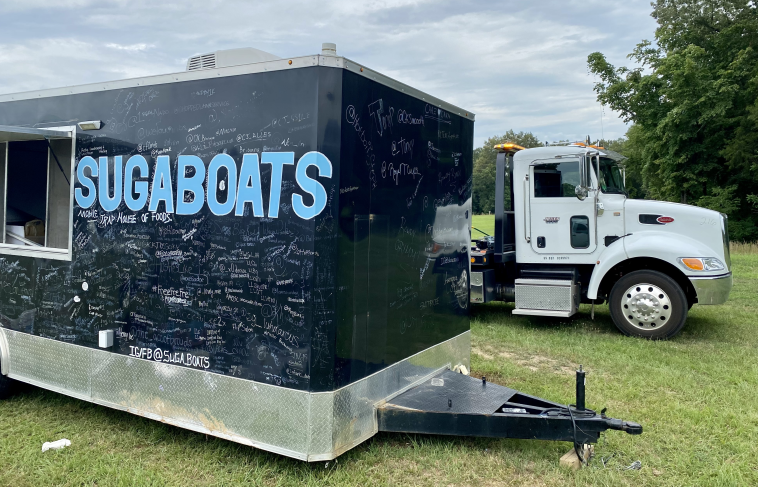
455,404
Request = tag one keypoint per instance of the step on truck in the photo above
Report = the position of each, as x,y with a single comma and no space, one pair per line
566,233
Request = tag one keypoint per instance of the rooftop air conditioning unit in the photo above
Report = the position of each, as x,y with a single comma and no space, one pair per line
229,57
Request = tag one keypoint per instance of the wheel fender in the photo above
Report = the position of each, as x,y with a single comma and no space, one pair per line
611,256
654,244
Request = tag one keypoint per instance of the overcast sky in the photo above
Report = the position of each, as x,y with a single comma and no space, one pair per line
516,65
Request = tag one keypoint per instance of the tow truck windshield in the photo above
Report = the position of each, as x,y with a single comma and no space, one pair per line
611,179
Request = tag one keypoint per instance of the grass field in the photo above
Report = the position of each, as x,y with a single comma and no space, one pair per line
696,396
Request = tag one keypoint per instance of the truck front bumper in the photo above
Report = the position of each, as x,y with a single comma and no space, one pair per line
712,290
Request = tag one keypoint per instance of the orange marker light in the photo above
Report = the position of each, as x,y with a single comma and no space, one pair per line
485,259
694,264
472,260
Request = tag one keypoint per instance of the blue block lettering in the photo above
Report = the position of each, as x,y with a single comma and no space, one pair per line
277,160
192,184
139,187
107,202
311,186
163,191
219,161
89,200
250,186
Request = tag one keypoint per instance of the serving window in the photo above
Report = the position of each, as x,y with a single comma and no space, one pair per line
36,168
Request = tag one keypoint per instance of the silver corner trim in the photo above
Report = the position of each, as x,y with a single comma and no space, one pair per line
712,290
162,79
5,357
36,251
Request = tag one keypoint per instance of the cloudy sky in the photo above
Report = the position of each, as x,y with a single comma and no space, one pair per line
517,65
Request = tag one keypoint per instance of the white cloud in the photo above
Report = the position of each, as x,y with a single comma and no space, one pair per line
515,65
130,47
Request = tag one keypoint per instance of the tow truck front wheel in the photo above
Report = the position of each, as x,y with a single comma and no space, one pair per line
648,304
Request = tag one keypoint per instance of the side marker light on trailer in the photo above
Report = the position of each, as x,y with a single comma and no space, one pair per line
473,259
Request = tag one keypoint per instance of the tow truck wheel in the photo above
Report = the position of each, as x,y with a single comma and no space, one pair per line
648,304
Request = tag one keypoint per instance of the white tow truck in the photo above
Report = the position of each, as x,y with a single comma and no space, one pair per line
566,233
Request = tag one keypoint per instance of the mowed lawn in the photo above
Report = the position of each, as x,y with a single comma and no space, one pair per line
696,396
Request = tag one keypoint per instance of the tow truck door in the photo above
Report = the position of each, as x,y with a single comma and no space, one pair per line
561,223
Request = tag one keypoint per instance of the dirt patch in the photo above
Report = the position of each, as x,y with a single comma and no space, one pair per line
533,362
481,353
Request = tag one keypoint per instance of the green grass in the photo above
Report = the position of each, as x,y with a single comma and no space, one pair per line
696,396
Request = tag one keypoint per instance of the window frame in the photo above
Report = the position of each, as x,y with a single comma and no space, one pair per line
30,134
536,170
571,232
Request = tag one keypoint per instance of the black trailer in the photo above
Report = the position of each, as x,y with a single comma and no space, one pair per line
272,251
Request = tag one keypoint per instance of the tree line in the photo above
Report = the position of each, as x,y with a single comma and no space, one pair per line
692,101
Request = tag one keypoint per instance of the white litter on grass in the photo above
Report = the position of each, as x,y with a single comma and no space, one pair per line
56,445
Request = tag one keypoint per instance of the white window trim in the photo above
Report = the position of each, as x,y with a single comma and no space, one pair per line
64,132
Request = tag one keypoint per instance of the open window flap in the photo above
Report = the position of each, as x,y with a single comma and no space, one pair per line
18,134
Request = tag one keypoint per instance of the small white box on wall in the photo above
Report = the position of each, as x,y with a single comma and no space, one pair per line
106,338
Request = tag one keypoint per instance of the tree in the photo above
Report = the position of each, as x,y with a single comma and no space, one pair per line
631,147
694,103
484,167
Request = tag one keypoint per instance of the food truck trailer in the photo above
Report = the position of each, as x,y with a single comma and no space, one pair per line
272,251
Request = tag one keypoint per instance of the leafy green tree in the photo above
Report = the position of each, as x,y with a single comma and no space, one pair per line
694,103
484,167
630,146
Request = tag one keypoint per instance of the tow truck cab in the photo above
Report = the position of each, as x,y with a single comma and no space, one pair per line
566,233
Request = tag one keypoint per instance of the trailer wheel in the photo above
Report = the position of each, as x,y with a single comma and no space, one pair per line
648,304
7,386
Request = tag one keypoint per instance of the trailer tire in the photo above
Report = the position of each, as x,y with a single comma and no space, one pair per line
7,386
648,304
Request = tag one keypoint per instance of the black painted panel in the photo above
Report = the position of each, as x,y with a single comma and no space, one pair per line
405,208
227,294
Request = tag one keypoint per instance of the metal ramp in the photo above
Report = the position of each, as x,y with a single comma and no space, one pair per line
456,404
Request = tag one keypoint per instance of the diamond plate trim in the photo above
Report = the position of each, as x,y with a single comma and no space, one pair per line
555,298
355,404
60,365
298,424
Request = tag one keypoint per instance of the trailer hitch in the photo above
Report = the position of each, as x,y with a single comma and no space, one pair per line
620,425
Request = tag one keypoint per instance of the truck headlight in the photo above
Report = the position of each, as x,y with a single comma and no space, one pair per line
701,263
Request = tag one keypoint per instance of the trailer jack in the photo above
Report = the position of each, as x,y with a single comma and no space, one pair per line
455,404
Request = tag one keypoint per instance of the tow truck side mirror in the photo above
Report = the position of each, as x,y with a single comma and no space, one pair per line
581,192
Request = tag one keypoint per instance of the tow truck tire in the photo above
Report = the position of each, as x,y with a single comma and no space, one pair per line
648,304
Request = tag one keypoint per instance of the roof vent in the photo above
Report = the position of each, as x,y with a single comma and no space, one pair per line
329,49
203,61
229,57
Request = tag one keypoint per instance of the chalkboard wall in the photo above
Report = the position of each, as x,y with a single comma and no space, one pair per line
306,303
